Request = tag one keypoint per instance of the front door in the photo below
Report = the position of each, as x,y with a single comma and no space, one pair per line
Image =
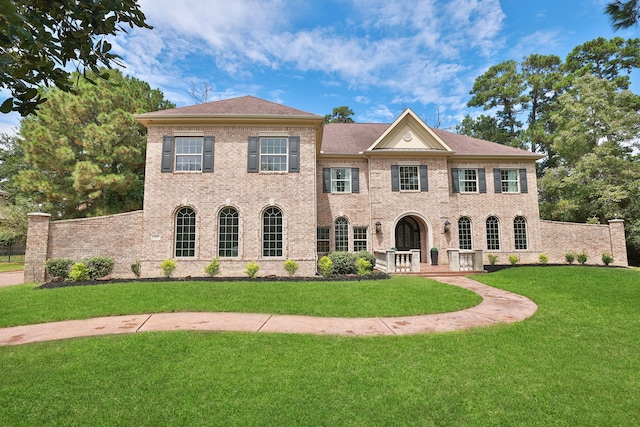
407,234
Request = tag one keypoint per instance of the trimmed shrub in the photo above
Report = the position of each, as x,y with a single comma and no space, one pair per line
570,257
136,268
59,267
99,266
79,272
291,267
607,258
514,259
326,266
368,256
492,259
343,262
252,269
213,269
168,266
364,267
581,257
543,259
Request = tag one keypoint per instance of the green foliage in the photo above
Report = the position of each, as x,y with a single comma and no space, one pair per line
13,226
213,269
98,147
136,268
40,39
59,267
492,259
607,258
343,262
369,257
543,259
99,266
570,257
168,266
514,259
326,266
251,269
581,257
291,267
340,115
363,267
79,272
623,14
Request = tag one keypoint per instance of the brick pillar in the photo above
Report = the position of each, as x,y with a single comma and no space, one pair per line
618,242
37,246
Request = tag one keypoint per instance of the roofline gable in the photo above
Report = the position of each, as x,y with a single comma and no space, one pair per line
407,115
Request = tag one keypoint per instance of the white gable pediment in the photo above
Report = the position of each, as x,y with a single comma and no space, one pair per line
409,133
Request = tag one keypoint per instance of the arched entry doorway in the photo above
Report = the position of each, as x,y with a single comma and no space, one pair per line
407,234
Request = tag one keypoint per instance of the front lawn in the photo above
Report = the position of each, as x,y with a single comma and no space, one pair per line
574,363
398,296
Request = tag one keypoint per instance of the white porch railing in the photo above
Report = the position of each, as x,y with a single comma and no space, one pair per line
465,260
392,261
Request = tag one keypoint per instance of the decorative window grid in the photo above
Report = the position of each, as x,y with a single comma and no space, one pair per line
464,233
228,232
185,236
359,239
272,242
341,233
493,234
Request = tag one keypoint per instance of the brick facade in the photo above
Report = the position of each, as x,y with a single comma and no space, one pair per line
415,218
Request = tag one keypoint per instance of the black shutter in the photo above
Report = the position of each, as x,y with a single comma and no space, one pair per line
294,154
207,154
395,178
424,178
167,154
482,180
455,184
497,180
326,180
252,160
355,180
524,188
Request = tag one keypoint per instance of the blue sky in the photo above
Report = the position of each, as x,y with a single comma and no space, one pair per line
376,56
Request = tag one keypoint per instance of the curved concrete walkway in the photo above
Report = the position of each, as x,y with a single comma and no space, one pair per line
497,306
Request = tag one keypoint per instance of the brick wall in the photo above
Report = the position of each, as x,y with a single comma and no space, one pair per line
558,238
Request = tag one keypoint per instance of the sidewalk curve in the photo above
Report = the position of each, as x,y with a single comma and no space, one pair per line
497,306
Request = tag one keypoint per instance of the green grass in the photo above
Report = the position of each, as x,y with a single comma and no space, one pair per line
16,264
398,296
574,363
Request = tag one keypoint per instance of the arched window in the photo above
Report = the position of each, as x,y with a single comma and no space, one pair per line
185,233
493,234
272,232
342,234
520,232
228,232
464,233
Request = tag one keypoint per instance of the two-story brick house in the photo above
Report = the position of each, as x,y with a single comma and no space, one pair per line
247,179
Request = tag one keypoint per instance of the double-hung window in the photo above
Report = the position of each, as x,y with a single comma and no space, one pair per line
340,180
468,179
322,240
188,154
409,179
273,154
509,180
359,239
341,234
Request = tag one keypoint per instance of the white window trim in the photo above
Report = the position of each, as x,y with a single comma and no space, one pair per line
286,155
176,154
502,181
461,187
349,180
417,169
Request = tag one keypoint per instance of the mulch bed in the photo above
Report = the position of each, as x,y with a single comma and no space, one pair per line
350,277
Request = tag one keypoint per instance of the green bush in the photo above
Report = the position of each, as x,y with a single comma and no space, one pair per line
79,272
213,269
364,267
291,267
581,257
514,259
343,262
168,266
368,256
252,269
136,268
543,259
99,266
570,257
492,259
326,266
59,267
607,258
